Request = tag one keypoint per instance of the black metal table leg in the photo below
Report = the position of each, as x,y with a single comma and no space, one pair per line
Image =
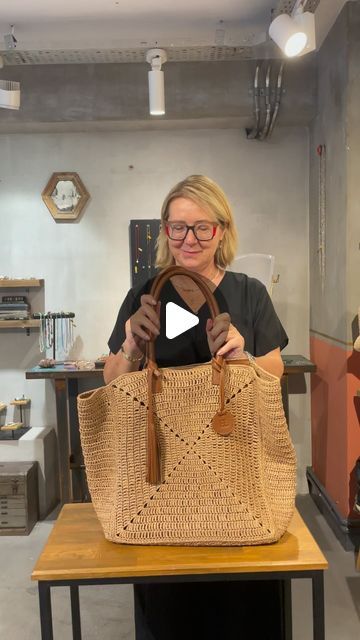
75,612
79,486
45,611
318,605
63,433
287,609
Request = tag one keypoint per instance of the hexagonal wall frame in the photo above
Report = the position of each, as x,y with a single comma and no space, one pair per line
65,196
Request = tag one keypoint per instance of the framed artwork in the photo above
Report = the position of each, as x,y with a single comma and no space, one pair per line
65,195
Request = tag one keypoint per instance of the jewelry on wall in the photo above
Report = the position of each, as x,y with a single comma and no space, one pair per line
321,151
143,235
138,249
148,249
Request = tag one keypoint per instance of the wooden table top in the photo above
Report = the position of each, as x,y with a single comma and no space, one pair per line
61,372
77,550
292,364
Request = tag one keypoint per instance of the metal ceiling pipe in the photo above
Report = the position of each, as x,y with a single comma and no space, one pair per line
251,134
263,134
277,99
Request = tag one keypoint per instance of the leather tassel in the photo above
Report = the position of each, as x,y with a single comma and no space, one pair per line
153,453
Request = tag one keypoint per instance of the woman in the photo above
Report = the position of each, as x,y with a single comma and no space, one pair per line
198,233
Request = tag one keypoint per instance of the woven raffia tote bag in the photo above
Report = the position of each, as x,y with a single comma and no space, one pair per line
194,455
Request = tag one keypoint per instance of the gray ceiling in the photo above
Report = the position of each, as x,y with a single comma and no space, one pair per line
91,31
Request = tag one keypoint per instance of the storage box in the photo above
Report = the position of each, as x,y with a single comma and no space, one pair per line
18,497
37,445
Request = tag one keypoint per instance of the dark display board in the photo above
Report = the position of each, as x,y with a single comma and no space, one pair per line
143,236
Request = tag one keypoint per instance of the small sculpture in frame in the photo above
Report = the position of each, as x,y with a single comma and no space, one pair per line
65,196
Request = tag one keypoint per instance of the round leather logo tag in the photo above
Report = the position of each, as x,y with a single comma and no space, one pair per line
223,423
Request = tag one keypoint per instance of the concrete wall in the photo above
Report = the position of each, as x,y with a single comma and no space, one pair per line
353,168
335,409
327,310
86,264
100,94
337,126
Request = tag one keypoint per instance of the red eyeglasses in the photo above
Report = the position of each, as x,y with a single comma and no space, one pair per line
203,231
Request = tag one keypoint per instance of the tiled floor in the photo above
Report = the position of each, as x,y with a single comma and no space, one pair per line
107,612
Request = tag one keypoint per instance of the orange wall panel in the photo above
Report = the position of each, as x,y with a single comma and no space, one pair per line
335,427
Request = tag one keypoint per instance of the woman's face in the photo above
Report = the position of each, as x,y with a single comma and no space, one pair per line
191,253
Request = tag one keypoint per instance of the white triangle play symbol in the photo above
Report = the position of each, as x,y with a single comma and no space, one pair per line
178,320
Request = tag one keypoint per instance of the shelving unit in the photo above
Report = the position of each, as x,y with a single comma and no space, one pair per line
20,284
26,285
19,324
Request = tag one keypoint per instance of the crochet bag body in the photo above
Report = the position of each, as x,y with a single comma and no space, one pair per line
191,455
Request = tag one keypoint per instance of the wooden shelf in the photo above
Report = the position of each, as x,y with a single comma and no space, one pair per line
12,426
20,284
19,324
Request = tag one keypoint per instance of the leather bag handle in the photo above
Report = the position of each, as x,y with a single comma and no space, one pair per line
223,422
155,291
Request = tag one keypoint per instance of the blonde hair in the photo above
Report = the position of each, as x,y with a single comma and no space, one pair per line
211,198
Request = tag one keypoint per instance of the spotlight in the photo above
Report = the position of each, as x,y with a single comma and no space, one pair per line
9,94
9,39
306,21
295,34
156,57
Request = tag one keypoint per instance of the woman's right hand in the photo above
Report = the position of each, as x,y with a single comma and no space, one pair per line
141,324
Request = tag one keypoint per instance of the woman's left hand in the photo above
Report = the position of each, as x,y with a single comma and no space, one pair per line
223,338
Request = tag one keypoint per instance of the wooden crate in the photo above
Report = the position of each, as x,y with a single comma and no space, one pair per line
18,497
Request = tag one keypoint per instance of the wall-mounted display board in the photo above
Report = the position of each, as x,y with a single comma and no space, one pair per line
143,236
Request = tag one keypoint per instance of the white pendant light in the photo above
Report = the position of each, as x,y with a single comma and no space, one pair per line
156,57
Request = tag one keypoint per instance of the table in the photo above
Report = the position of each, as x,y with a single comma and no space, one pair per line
293,365
66,382
73,487
77,554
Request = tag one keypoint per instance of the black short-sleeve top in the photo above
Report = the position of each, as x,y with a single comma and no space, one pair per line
245,299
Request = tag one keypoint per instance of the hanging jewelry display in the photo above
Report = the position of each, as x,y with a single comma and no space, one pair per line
148,250
321,151
143,236
56,331
138,249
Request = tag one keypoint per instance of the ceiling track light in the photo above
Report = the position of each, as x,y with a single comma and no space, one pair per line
9,38
156,58
295,33
9,92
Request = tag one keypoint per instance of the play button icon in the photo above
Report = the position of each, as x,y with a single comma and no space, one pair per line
178,320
